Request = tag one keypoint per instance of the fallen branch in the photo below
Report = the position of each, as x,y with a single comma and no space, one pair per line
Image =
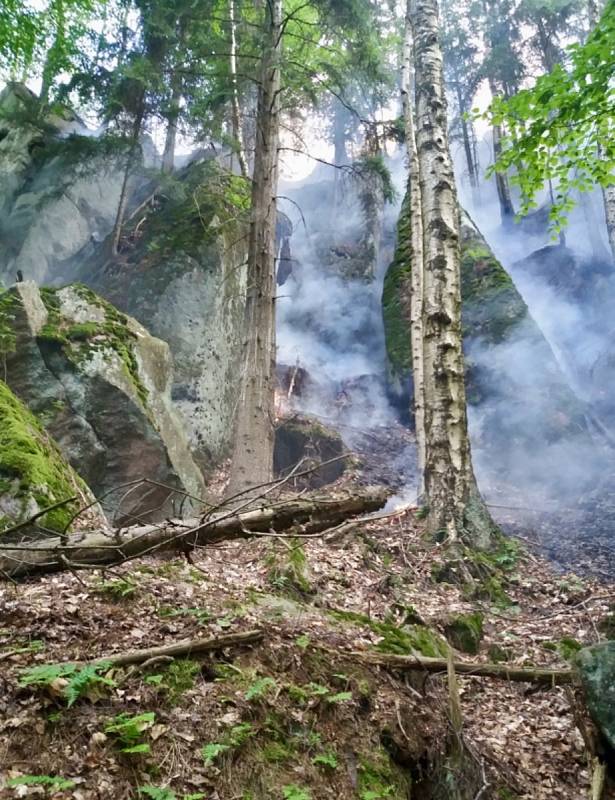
541,676
187,647
307,515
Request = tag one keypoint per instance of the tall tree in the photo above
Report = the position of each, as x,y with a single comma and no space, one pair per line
451,493
252,459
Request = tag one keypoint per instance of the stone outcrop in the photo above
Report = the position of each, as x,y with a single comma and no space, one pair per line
33,473
302,443
100,384
59,189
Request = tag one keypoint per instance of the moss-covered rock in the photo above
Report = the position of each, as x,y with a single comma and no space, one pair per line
33,473
100,384
465,631
596,667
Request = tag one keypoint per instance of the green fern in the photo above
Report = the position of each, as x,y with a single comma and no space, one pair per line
79,679
293,792
128,731
52,781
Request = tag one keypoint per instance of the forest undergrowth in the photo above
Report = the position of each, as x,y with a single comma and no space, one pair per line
297,715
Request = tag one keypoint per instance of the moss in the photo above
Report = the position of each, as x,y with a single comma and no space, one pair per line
29,456
378,778
200,204
395,311
568,648
403,640
465,632
9,301
79,340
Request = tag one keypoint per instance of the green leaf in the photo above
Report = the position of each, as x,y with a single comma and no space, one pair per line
42,780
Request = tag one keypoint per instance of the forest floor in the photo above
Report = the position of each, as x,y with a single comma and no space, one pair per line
295,716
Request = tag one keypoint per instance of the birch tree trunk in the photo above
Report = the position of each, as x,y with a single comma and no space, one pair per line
416,246
608,195
252,459
455,505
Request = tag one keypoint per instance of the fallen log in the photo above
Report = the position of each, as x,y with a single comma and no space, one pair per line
504,672
187,647
310,515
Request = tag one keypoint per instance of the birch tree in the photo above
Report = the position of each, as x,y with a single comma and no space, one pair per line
450,491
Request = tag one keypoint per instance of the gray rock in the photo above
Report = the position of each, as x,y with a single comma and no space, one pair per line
101,386
596,666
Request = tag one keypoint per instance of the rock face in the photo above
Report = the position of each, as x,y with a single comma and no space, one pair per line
101,386
59,191
183,274
182,264
516,391
596,666
33,473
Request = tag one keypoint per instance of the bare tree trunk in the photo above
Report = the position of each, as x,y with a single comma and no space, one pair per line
252,460
168,155
235,107
455,505
123,201
416,246
507,210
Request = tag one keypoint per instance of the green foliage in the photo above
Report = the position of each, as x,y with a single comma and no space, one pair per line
372,167
327,759
48,781
118,588
233,739
287,568
562,129
260,688
75,681
164,793
293,792
128,731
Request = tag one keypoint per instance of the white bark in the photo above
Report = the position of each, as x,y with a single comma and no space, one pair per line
608,194
252,460
416,247
455,506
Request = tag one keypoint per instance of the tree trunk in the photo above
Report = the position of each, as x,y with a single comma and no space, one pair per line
97,550
123,201
235,107
455,505
608,195
416,246
465,133
507,210
168,155
252,459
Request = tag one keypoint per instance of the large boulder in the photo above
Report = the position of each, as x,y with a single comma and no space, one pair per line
596,666
100,383
34,475
183,274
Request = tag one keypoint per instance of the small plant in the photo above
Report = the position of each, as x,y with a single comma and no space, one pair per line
294,792
260,688
328,759
118,588
128,731
288,568
52,782
234,738
68,680
201,615
303,641
164,793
